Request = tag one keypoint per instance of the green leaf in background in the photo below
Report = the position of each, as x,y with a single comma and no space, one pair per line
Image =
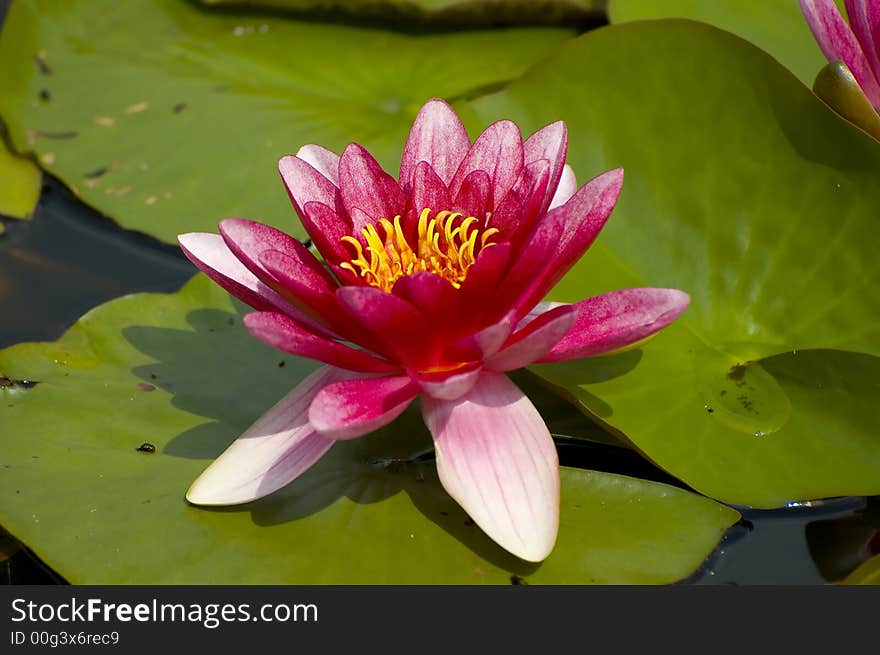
180,373
748,192
777,26
469,12
168,118
20,181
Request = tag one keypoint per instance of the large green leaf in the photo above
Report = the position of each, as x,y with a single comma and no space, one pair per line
453,11
20,181
169,118
777,26
748,192
180,372
867,574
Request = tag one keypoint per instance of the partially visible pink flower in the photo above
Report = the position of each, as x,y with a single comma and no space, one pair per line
430,288
856,44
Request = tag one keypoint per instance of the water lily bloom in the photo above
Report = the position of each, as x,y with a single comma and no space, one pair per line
856,44
430,288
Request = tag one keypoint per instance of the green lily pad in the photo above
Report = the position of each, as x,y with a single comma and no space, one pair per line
471,12
168,117
20,182
777,26
180,373
868,573
748,192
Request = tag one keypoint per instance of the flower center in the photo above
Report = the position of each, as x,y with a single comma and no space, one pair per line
447,247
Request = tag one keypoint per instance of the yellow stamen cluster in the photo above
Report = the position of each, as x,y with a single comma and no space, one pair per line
446,247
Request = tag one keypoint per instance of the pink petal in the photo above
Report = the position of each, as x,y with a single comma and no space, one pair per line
248,240
363,184
271,453
485,342
864,19
326,229
618,319
349,409
287,335
499,152
322,160
565,190
838,42
550,143
474,198
562,237
523,203
399,326
534,341
449,387
306,184
212,256
496,458
428,192
437,137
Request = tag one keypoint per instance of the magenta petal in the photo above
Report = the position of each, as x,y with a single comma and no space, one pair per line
305,184
322,160
212,256
428,192
565,190
496,458
864,19
550,143
563,236
499,152
353,408
248,240
838,42
485,342
275,450
326,229
363,184
433,296
437,137
474,198
534,341
287,335
523,203
399,326
618,319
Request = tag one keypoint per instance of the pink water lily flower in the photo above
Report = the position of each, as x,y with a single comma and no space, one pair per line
430,288
856,44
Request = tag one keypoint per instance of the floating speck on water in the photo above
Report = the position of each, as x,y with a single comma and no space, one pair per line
151,200
105,121
48,158
262,29
137,107
759,433
708,408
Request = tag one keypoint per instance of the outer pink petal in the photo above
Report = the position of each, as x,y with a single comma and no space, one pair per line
838,42
499,152
282,332
248,240
437,137
345,410
534,341
306,184
565,190
496,458
864,19
550,143
363,184
326,229
322,160
563,236
272,452
449,387
617,319
211,255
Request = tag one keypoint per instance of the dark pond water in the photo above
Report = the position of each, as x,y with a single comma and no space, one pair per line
69,259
